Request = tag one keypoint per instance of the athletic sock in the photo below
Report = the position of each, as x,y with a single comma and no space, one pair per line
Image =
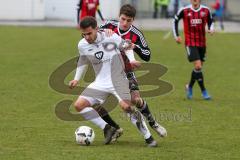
199,78
192,80
138,120
106,117
146,112
90,114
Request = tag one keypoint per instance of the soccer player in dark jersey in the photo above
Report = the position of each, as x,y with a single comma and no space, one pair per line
195,17
127,31
88,8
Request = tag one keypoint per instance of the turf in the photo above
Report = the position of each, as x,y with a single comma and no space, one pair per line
197,129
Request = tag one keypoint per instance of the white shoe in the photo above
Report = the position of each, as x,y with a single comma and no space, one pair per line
161,131
117,134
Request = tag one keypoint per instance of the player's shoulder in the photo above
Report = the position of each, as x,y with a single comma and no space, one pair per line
136,31
110,22
113,22
205,7
83,44
112,37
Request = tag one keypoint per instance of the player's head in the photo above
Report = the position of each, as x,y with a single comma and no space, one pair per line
195,3
88,26
126,16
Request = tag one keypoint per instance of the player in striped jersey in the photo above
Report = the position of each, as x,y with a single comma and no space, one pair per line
127,31
195,17
88,8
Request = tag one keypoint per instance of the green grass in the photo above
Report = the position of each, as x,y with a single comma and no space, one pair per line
29,128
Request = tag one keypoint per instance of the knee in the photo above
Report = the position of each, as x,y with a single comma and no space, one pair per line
137,102
77,106
80,105
198,67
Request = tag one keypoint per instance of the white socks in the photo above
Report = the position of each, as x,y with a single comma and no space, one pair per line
138,120
90,114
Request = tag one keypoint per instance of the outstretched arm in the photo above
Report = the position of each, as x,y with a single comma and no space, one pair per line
141,46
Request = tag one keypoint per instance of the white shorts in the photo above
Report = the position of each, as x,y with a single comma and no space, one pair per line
96,94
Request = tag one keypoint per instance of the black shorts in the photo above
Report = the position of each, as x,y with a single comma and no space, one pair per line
196,53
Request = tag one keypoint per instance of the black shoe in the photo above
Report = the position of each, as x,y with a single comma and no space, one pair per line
151,142
108,133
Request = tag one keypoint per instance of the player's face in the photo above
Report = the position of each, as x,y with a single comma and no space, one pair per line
195,2
125,22
90,34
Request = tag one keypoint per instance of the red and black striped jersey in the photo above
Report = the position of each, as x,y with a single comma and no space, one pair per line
133,34
194,23
88,7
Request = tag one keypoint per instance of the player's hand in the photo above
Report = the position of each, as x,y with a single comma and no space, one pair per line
132,46
73,83
108,32
126,45
178,40
135,64
211,32
129,45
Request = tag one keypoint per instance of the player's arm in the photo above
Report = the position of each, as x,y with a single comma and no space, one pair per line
141,47
126,46
81,68
210,23
134,63
176,20
79,7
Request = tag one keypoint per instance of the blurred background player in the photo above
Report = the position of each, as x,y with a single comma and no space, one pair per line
127,31
164,8
155,8
219,7
176,6
195,17
88,8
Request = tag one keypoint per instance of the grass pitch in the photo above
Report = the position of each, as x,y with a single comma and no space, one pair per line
197,129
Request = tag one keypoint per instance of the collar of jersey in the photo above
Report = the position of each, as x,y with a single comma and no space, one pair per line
122,34
196,10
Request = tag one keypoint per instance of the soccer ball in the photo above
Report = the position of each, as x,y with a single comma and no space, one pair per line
84,135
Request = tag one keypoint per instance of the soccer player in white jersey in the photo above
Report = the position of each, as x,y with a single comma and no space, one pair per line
103,53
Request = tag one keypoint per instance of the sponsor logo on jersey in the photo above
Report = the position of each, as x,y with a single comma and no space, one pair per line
196,21
203,14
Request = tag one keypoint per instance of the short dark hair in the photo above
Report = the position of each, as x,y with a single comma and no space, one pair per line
128,10
88,21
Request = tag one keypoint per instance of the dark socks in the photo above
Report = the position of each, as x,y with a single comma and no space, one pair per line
199,78
146,112
197,75
192,80
106,117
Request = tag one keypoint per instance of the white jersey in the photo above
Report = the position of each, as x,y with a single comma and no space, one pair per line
105,58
